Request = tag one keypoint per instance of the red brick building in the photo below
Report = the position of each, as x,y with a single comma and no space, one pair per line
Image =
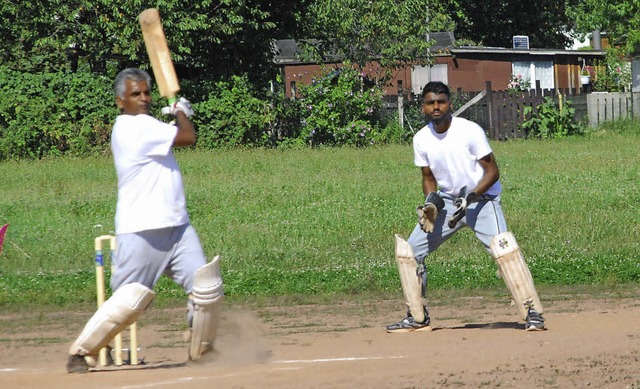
466,67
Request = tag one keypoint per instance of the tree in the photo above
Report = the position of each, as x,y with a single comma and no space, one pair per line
390,32
495,22
619,18
206,37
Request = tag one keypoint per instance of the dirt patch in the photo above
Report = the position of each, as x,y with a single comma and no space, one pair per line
477,341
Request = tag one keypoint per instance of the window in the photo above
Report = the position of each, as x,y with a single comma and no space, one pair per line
421,75
540,70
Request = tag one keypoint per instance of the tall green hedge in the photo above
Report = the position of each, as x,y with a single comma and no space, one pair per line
48,114
63,113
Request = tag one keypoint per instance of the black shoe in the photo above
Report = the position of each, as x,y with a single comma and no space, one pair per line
534,322
77,364
409,324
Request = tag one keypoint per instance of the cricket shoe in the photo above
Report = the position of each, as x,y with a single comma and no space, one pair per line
77,364
535,321
409,324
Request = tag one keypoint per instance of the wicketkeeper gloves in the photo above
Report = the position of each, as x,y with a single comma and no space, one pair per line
462,203
428,212
465,201
181,105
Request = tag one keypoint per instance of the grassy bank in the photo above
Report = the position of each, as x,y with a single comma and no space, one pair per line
322,221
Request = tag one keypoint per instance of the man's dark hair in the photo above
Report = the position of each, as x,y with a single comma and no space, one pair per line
436,87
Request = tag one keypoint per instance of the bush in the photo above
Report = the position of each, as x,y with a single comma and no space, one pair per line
547,120
287,124
337,109
51,114
613,74
232,116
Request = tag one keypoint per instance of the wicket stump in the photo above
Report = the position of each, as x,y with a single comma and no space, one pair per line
100,293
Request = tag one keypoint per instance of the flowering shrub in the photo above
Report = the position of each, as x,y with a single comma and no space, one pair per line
356,133
519,83
587,71
612,75
338,109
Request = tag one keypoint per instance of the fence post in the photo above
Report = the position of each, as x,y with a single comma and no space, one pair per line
400,105
487,88
560,102
592,109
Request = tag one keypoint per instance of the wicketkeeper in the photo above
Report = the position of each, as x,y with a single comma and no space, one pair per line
460,179
153,232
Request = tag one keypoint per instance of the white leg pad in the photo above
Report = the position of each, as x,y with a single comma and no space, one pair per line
515,273
207,298
121,310
407,267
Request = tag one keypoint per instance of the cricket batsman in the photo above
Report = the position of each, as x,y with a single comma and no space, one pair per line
153,232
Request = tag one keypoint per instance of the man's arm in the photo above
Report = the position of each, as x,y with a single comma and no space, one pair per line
429,183
428,213
491,174
186,135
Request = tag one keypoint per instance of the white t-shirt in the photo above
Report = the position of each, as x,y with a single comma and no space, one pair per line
150,191
453,156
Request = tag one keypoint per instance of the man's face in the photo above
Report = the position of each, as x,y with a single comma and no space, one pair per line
437,107
137,98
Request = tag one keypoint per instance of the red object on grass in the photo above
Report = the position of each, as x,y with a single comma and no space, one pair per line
3,231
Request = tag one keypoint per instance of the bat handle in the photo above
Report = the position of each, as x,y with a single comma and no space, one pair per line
172,99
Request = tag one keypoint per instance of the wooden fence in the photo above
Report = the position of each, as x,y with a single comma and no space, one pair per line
608,106
501,113
507,113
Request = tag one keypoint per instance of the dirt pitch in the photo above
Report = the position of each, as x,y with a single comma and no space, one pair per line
477,342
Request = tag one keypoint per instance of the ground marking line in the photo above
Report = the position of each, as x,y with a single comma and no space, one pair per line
171,382
338,359
18,370
290,361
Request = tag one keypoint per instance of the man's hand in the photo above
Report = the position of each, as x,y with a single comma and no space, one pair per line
181,105
428,212
462,203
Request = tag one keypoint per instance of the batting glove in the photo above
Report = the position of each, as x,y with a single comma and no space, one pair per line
181,105
428,212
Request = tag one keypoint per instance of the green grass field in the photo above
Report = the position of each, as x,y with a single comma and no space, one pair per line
321,221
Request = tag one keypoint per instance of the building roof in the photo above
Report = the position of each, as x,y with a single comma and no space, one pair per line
533,52
287,51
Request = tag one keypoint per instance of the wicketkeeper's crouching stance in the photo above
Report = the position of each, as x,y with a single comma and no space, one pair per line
461,184
512,268
128,303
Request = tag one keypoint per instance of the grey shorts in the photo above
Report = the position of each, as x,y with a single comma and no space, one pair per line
144,256
485,218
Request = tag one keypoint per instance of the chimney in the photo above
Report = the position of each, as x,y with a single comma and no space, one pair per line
596,43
